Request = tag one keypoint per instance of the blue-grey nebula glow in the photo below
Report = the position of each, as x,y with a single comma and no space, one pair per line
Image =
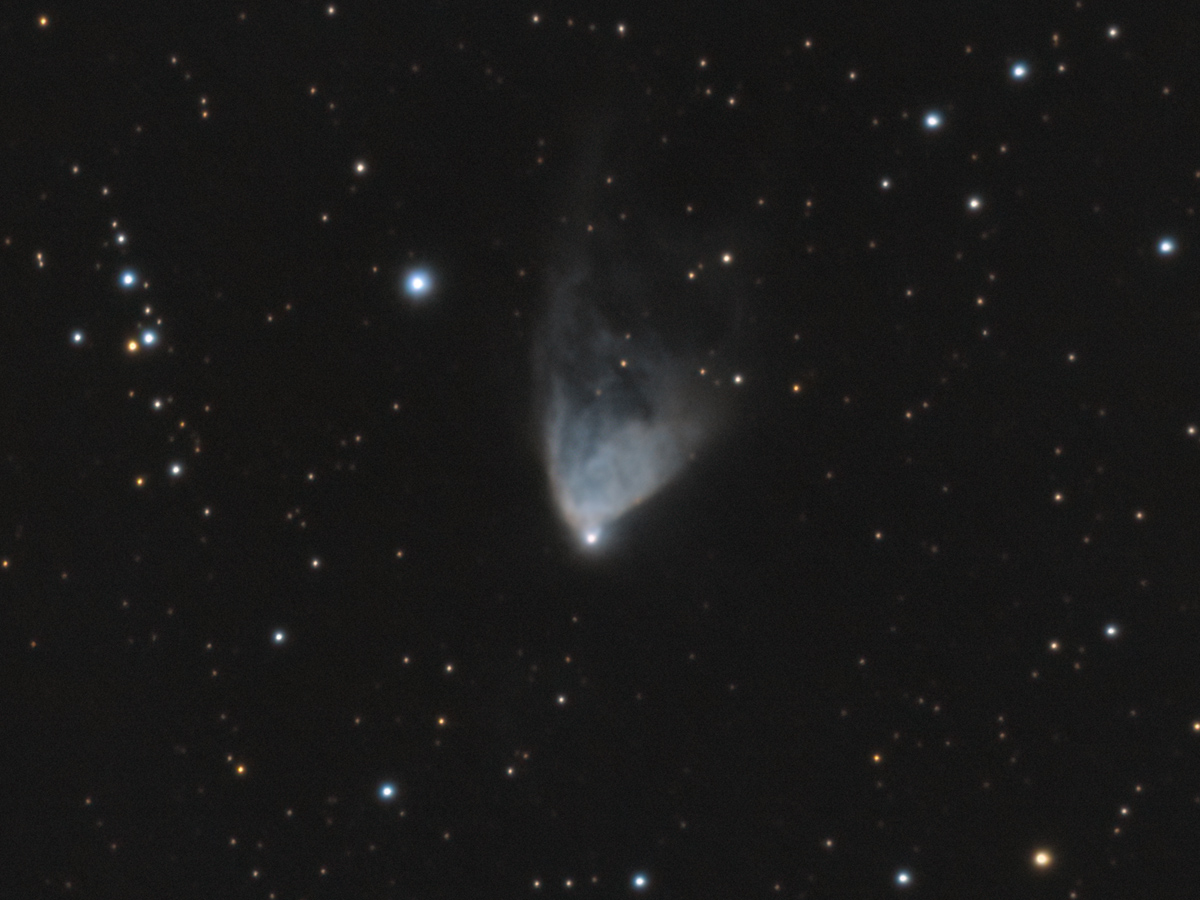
620,415
642,322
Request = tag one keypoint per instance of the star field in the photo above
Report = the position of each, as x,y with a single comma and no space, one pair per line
290,606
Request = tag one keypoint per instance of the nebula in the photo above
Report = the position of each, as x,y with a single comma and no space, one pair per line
643,317
620,417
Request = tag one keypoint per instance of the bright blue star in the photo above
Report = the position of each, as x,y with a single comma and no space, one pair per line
933,120
904,878
129,278
149,336
78,337
640,881
387,791
279,637
1019,71
418,283
1167,246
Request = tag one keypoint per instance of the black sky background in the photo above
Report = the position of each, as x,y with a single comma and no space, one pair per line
926,607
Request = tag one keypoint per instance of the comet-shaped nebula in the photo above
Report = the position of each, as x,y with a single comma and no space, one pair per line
624,400
619,420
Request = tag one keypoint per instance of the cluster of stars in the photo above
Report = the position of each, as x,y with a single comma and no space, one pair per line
1041,859
639,882
420,283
